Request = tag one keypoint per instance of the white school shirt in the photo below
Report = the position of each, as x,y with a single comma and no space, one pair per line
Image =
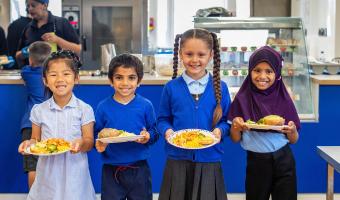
196,86
65,176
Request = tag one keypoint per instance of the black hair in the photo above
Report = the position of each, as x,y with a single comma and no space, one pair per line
211,40
69,57
126,61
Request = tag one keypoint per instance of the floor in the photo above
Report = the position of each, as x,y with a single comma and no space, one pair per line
230,197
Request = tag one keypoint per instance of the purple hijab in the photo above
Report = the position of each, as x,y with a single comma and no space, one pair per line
252,103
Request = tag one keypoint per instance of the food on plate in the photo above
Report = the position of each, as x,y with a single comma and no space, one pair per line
272,120
111,132
192,139
3,60
51,145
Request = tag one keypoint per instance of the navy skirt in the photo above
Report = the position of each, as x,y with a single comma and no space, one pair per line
187,180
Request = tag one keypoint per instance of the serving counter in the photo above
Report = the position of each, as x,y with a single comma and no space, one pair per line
92,89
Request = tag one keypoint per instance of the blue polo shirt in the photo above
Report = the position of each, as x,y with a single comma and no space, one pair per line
34,85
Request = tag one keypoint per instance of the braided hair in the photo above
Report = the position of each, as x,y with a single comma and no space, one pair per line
212,43
69,57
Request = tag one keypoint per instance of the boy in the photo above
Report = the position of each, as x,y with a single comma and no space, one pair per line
126,173
32,76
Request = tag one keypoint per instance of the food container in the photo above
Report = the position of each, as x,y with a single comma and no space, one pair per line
164,64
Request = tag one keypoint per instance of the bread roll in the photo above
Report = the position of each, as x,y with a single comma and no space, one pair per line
108,132
273,120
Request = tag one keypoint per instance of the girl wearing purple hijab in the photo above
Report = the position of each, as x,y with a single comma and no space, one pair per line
270,162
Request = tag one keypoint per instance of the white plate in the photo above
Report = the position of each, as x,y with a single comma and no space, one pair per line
265,127
28,151
205,132
120,139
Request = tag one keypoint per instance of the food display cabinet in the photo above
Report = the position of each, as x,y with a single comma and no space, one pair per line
240,37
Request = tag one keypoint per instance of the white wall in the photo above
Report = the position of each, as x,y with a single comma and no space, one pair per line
318,14
4,14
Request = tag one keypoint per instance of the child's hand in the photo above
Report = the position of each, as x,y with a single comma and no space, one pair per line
168,133
76,145
145,138
100,146
291,132
217,133
23,146
238,125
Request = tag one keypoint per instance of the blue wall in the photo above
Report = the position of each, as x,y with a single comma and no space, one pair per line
311,169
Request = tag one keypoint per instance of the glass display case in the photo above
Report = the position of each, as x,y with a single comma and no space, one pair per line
240,37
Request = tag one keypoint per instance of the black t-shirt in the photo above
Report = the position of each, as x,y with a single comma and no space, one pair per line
14,32
3,42
60,26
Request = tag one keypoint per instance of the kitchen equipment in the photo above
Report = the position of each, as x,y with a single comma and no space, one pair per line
122,22
108,51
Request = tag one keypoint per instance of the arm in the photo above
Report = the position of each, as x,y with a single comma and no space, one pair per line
85,143
237,127
150,132
36,135
87,137
291,132
164,120
62,43
99,125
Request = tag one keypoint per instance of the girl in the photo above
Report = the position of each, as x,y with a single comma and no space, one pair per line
64,176
126,173
194,100
270,162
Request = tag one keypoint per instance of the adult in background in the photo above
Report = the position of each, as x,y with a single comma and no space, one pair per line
46,27
14,32
3,43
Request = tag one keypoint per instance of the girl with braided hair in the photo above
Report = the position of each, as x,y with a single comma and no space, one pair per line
194,100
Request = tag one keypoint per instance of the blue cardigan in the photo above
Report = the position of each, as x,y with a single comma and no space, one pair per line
133,117
178,110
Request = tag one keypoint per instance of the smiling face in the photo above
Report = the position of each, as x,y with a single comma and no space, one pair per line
125,83
60,79
195,55
263,76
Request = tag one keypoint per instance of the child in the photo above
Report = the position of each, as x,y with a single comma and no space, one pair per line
194,100
32,77
126,173
64,176
270,162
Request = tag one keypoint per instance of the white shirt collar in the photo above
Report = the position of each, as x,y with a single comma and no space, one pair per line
202,81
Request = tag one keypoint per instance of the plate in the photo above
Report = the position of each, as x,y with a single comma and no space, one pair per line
28,151
265,127
120,139
205,132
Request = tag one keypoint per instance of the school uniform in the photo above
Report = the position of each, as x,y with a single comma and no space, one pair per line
270,162
34,85
125,172
64,176
186,170
269,159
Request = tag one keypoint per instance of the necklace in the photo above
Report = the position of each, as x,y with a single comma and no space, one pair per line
196,96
